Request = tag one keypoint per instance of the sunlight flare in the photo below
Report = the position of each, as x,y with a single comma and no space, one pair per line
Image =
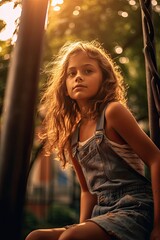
55,4
9,15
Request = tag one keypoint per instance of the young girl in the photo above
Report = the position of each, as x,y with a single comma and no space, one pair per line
89,126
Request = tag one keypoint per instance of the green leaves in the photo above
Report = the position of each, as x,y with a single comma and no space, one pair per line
117,24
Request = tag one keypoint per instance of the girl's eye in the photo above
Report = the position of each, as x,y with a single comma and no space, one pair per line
88,71
71,74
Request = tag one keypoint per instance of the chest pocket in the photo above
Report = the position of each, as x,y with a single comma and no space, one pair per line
92,163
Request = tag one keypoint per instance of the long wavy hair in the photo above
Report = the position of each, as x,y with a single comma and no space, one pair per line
62,114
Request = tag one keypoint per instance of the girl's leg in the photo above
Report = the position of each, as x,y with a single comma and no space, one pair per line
45,234
84,231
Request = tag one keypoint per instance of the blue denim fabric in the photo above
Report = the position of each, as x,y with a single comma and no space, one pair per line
125,205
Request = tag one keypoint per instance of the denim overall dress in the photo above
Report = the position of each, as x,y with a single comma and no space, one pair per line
124,207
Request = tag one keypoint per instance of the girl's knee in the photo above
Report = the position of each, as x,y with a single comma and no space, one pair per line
34,235
70,234
45,234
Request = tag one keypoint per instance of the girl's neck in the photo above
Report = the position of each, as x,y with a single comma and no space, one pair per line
86,117
83,108
86,113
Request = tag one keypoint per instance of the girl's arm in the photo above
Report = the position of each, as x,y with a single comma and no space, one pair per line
87,200
121,123
87,203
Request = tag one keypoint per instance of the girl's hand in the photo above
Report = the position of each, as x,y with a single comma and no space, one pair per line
155,235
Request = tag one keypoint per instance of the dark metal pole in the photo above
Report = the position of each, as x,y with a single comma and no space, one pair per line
152,77
18,117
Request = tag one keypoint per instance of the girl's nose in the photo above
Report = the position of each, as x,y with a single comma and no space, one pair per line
79,78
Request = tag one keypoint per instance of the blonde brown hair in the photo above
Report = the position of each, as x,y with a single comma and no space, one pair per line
61,112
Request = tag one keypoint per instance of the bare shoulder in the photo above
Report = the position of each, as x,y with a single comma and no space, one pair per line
122,125
118,119
116,109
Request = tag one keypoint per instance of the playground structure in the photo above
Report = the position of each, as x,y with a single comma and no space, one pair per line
21,92
152,77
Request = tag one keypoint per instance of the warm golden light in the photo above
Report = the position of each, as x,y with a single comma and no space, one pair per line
124,60
154,3
132,2
9,14
118,49
55,4
123,14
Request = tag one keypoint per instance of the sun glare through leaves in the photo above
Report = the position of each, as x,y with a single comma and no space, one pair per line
55,4
9,15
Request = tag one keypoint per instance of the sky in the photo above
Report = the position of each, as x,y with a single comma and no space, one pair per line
9,14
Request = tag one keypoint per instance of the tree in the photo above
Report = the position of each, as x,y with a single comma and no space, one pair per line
5,54
118,26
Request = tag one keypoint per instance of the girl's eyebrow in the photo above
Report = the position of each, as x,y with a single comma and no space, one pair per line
83,65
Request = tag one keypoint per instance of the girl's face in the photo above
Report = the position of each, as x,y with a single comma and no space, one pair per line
84,78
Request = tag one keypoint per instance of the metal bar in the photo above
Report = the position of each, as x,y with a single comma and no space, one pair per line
18,116
152,77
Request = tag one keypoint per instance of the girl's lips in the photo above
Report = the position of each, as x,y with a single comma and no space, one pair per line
79,86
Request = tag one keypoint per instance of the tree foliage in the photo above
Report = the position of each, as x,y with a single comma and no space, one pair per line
5,54
113,23
116,24
16,2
